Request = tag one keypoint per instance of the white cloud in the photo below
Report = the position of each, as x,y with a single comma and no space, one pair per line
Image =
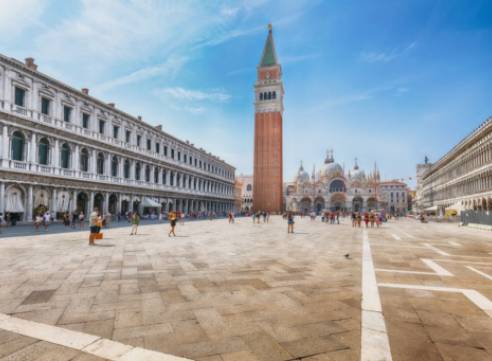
183,94
104,37
17,15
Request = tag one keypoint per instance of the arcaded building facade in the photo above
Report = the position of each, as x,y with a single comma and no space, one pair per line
462,178
63,150
269,93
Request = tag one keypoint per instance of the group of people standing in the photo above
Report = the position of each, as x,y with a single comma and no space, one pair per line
370,218
261,214
97,222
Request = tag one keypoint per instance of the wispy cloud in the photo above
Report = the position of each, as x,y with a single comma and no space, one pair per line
183,94
363,95
289,59
385,56
168,68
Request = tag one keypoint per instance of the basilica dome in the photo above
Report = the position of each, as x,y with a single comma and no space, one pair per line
358,174
302,175
331,169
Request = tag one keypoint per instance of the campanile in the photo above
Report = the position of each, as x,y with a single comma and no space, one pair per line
269,93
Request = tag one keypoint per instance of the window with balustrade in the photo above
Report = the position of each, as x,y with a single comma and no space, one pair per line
114,166
126,169
147,174
43,151
100,163
84,160
85,120
45,106
138,169
102,126
67,113
18,145
116,131
20,97
65,156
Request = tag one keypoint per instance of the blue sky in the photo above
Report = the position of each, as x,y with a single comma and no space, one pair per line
387,81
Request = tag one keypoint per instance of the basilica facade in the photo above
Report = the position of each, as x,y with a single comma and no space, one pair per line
332,188
62,150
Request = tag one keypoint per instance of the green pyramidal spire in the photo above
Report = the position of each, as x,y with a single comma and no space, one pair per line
269,56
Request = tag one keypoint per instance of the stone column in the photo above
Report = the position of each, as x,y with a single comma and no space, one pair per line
91,203
29,205
5,142
121,168
2,198
56,154
74,202
93,163
54,206
107,165
132,171
76,162
106,203
118,204
33,151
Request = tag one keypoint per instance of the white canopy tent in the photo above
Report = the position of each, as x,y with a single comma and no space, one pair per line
150,203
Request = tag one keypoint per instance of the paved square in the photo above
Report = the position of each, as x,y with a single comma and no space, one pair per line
222,292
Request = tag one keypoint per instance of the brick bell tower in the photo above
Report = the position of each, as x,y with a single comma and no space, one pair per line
269,94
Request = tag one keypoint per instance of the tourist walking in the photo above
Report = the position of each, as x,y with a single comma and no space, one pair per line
290,222
37,221
231,217
172,222
366,219
354,220
93,226
371,219
66,219
379,219
135,221
81,219
46,219
359,219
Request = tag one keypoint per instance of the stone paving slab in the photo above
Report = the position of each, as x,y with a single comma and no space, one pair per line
222,292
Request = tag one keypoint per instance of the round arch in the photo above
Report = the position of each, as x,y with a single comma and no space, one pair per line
305,205
357,204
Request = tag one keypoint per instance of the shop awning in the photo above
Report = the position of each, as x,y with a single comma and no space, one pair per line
431,209
456,207
150,203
